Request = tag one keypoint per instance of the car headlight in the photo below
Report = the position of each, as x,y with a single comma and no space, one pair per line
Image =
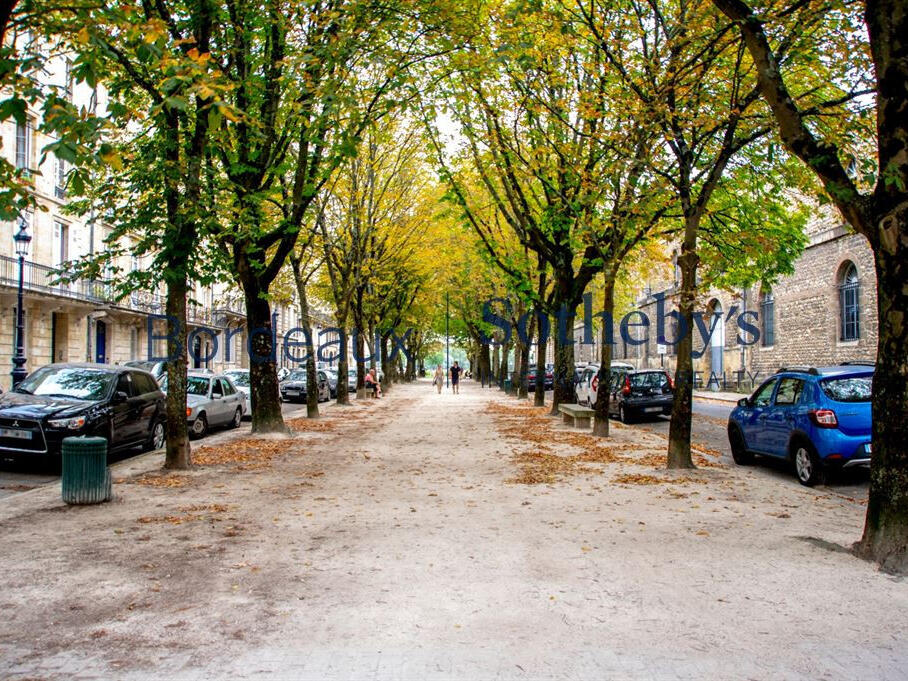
73,423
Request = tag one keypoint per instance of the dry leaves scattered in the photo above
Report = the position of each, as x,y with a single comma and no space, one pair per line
307,425
158,479
539,464
247,453
188,514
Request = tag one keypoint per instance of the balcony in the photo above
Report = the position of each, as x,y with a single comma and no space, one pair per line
41,279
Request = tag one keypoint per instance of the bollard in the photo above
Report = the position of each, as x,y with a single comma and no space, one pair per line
85,475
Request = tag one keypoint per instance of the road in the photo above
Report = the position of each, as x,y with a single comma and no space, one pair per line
18,478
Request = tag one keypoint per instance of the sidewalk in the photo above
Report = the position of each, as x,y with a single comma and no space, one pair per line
427,536
718,396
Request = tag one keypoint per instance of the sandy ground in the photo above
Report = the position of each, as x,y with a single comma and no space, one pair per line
440,537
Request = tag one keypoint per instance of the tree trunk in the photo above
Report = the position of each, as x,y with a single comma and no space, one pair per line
539,395
564,362
679,455
496,362
885,538
263,383
178,454
503,367
360,365
343,394
603,390
485,364
385,363
311,377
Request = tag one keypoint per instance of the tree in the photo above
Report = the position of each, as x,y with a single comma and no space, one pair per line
690,77
163,88
879,212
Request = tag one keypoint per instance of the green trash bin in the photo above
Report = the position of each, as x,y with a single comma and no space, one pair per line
508,384
86,477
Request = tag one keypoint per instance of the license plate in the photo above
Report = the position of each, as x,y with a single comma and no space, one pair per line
293,392
867,448
652,410
16,434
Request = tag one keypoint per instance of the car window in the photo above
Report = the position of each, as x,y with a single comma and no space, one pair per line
124,385
142,383
763,395
852,389
197,385
227,387
649,379
789,391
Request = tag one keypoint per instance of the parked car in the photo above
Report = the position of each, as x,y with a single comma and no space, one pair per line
634,393
817,418
211,400
156,369
548,381
293,388
331,374
119,403
587,386
351,380
240,379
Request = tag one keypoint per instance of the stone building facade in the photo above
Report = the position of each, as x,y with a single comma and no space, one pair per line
824,313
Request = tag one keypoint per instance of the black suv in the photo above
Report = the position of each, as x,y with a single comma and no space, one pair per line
122,404
640,392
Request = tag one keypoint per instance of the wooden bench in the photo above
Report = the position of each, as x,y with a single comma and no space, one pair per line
576,415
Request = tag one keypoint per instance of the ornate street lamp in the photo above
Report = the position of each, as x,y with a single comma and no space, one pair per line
22,239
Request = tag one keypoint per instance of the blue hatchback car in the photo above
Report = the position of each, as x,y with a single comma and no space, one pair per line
816,418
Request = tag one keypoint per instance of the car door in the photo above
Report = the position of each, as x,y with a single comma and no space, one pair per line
616,381
323,391
753,416
218,409
780,416
123,413
145,391
232,398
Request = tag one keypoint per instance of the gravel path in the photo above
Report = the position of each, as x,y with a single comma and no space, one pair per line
391,541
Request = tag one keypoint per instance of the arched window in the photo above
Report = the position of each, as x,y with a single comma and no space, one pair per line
768,317
849,303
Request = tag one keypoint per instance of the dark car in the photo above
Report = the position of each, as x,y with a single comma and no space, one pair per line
122,404
156,369
548,382
635,393
817,418
294,387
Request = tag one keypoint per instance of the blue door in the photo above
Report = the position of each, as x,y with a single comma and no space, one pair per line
780,417
100,342
753,420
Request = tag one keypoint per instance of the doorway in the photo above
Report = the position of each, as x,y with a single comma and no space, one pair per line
100,342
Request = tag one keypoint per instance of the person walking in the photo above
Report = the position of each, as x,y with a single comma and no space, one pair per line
455,378
439,379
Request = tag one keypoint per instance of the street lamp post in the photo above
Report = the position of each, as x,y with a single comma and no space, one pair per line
22,239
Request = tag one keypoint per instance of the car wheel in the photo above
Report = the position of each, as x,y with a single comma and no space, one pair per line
199,426
623,415
739,451
156,439
237,418
807,464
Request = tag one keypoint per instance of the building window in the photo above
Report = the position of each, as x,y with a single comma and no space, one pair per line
68,83
849,298
768,317
60,179
24,145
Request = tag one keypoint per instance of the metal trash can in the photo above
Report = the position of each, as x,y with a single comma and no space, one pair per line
508,385
86,477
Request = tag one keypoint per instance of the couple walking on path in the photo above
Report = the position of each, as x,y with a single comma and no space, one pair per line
439,378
